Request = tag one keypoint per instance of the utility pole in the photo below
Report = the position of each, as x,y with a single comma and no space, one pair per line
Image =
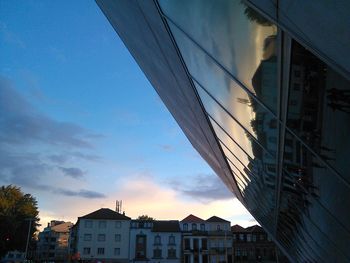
30,225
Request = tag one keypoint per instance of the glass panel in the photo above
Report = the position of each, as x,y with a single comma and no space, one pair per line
265,128
316,197
319,108
242,41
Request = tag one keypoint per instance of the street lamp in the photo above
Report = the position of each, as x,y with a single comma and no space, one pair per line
30,225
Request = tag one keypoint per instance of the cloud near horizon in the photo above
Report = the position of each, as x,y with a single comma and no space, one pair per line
202,187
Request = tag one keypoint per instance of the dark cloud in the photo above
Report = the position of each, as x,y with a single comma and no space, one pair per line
58,158
21,123
81,193
26,134
203,187
64,157
72,172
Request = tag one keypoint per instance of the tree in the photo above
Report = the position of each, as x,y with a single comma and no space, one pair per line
146,218
17,211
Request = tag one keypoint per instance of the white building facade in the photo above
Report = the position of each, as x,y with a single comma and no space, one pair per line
103,236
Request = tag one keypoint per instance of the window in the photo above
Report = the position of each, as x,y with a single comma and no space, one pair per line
171,240
171,253
202,227
52,247
88,224
53,239
117,251
204,243
10,255
157,253
254,238
262,237
297,73
51,255
218,228
195,244
187,243
18,255
100,251
87,237
87,251
234,237
185,227
205,259
296,86
118,224
102,224
117,237
157,240
140,252
194,226
101,237
249,237
241,237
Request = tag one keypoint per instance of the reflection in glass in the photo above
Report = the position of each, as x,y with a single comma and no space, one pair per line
264,128
231,35
319,108
308,201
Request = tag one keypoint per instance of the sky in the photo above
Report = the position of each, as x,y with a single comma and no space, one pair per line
81,126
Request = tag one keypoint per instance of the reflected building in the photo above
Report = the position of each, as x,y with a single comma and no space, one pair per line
262,92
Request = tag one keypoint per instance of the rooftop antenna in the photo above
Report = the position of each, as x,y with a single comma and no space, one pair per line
118,206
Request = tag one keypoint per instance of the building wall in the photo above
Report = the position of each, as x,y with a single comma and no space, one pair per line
154,241
52,245
90,236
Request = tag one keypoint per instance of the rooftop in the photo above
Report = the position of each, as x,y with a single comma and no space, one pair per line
166,226
216,219
192,219
105,213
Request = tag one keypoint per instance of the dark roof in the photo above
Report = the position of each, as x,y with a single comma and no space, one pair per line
215,219
255,228
105,213
192,219
237,228
166,226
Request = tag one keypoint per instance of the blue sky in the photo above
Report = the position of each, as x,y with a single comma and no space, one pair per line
80,125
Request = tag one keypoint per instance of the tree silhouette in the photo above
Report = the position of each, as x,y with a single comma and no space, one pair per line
145,218
16,211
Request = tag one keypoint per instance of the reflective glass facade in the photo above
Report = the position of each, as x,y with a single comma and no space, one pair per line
279,116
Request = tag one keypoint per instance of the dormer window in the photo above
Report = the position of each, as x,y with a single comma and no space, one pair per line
157,240
185,227
194,226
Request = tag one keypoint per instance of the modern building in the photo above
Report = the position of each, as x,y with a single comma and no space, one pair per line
261,90
155,241
101,236
52,245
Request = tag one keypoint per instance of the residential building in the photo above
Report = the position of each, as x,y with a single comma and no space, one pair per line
155,241
219,239
194,240
52,242
102,235
261,89
253,244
